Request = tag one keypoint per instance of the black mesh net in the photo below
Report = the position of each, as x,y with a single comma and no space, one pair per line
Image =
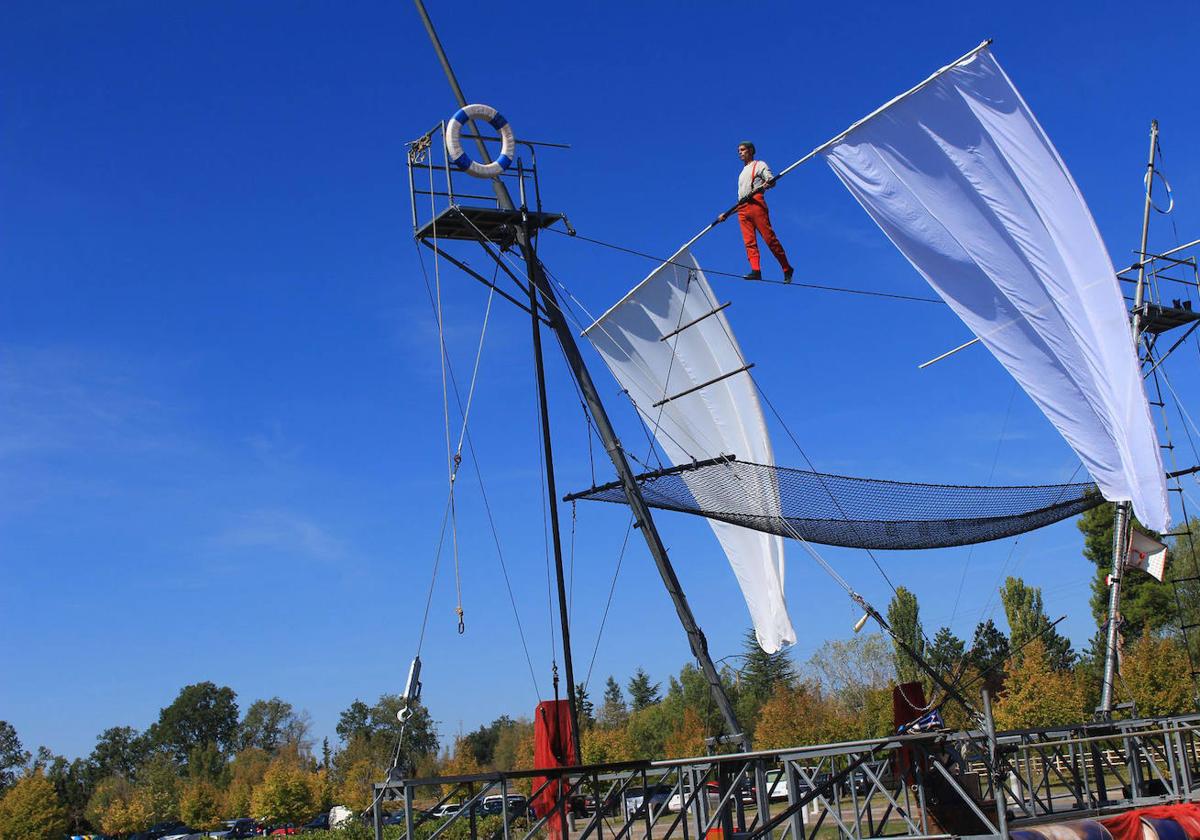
854,512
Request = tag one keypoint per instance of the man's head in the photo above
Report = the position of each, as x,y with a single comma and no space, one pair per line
746,151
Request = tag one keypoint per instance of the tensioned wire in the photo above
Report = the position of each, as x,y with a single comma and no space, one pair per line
487,508
657,423
741,276
571,316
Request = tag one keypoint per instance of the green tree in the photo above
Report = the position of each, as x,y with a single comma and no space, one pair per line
72,781
587,709
119,750
988,653
1027,619
159,786
356,720
642,692
947,651
761,674
202,713
482,742
1146,604
269,724
12,755
207,762
31,810
904,616
613,712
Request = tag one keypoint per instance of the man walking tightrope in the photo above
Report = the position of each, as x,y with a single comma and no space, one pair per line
752,212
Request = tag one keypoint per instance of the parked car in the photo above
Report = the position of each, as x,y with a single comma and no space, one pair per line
164,829
517,804
637,799
283,830
237,829
677,800
584,804
446,810
394,818
318,823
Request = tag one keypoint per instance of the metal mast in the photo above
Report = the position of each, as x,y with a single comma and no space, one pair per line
1122,516
641,511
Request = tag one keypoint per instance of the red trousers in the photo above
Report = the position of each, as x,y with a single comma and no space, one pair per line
754,217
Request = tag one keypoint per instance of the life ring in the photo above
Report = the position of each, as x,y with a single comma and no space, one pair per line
459,158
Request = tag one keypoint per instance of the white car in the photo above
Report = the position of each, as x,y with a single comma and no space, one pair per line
677,800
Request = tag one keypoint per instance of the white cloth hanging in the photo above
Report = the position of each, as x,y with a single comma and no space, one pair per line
642,343
964,181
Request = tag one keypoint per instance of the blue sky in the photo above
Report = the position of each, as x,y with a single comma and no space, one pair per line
221,451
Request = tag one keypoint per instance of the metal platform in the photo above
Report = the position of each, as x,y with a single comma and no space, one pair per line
488,223
1158,319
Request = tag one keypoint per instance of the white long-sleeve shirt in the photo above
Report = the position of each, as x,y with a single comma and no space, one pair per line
755,175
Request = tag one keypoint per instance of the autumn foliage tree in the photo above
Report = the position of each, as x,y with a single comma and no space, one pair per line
1156,676
31,810
1039,695
284,795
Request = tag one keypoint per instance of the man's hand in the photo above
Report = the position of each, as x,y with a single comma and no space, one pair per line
722,217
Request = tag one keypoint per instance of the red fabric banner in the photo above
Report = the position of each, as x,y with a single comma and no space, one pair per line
553,747
1128,826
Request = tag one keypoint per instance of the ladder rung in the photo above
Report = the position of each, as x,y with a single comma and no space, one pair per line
1174,489
1186,532
1160,405
1185,580
1187,627
1166,446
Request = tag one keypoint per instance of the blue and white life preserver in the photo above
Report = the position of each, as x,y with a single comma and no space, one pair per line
459,158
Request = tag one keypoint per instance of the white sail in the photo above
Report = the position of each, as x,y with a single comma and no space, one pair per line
664,339
964,181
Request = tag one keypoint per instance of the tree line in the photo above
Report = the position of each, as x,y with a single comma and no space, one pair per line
203,760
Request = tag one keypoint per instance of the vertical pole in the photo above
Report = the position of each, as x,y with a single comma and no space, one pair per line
604,428
1141,283
998,787
1121,515
552,491
409,826
377,817
1114,605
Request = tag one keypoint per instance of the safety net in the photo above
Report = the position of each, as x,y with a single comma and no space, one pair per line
853,512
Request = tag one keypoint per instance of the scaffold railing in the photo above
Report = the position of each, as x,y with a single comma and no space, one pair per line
914,786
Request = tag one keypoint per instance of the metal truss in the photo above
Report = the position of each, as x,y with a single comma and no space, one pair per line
917,786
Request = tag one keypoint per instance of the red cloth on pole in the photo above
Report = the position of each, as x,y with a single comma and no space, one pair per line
553,746
1128,826
754,216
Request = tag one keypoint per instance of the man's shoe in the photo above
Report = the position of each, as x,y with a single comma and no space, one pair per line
787,275
753,275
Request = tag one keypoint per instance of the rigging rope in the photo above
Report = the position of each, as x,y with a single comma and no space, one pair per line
486,504
739,276
991,474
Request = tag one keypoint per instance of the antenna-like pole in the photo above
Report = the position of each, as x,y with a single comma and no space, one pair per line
612,445
1122,516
